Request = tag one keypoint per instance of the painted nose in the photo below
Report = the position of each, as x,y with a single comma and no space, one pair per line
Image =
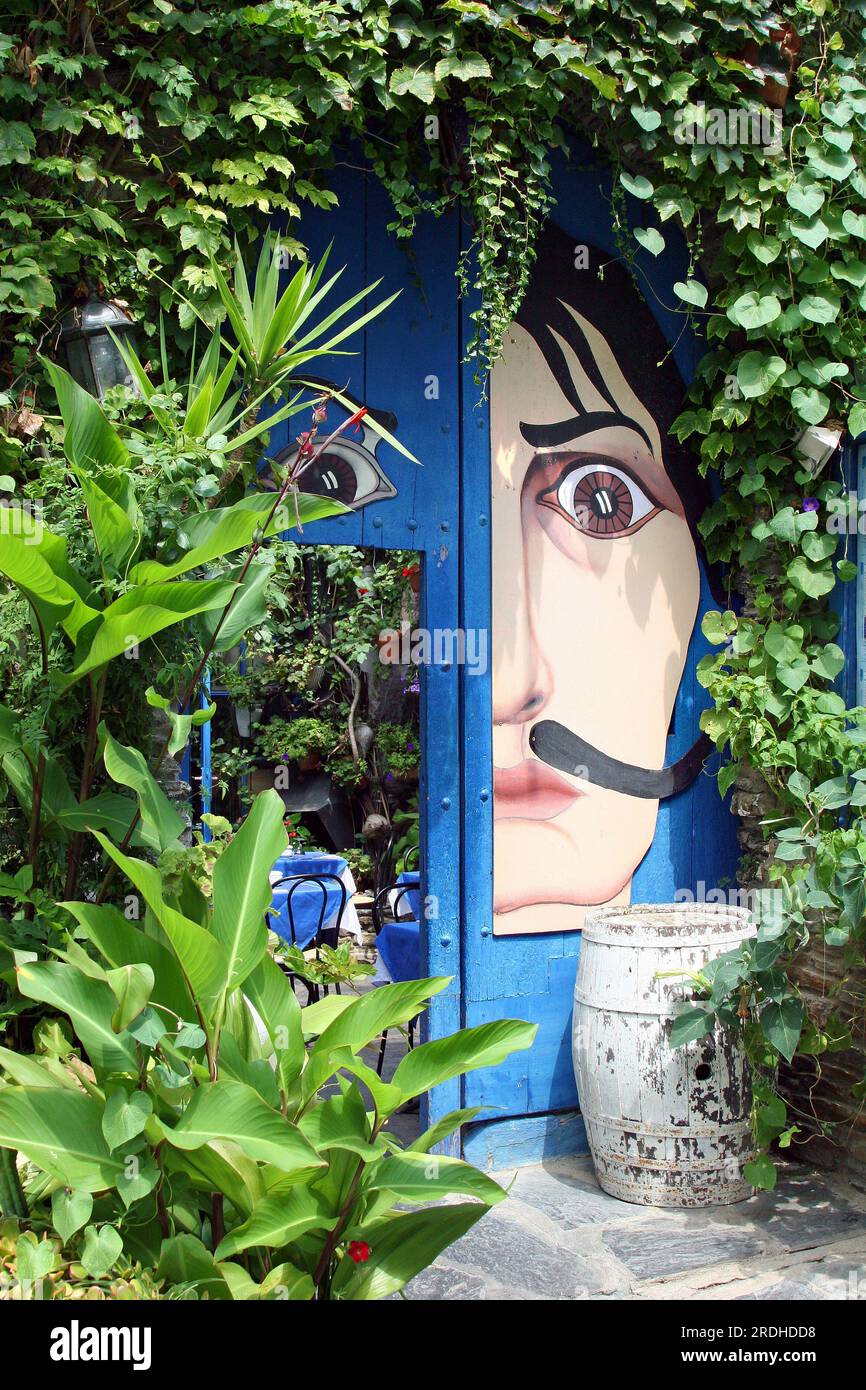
521,676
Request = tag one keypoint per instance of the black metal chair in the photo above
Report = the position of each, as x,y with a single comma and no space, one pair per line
323,936
411,859
399,890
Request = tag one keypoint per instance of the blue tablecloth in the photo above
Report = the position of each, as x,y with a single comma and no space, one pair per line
399,947
409,904
307,897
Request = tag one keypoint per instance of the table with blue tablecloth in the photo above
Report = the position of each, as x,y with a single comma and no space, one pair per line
406,904
399,948
306,903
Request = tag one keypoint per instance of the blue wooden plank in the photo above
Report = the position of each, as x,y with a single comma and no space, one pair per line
406,349
495,1146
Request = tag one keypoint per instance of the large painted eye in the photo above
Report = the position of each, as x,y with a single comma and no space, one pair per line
347,473
600,498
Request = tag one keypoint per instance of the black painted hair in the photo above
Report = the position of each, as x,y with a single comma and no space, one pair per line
615,307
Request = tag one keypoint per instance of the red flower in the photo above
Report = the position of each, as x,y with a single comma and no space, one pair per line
359,1251
363,591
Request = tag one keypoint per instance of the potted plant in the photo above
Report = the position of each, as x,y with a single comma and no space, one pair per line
301,741
399,747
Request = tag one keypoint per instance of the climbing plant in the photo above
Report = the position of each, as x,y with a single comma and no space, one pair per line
137,141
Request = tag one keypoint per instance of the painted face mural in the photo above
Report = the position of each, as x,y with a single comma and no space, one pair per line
595,591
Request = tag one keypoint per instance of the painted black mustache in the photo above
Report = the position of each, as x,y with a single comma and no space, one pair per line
568,752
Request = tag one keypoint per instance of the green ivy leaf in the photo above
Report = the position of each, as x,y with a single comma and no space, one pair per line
810,405
809,581
757,373
761,1172
635,184
781,1025
857,419
651,239
819,308
645,118
753,310
805,198
102,1249
692,291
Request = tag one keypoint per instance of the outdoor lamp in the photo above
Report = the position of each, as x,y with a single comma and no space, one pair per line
93,358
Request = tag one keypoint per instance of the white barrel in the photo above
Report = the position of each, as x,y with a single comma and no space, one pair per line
666,1127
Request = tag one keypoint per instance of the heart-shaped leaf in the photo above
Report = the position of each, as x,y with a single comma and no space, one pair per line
810,405
752,310
34,1258
819,308
125,1116
102,1249
812,233
651,239
805,198
635,184
646,119
70,1210
757,373
692,291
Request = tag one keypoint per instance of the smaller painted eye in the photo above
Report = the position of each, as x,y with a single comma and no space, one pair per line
600,499
347,473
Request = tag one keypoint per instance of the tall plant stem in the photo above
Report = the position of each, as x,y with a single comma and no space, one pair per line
12,1199
88,769
253,551
38,780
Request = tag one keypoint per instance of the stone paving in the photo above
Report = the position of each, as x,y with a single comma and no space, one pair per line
558,1236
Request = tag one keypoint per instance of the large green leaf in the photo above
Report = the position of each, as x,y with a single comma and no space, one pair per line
121,944
215,534
35,561
185,1260
364,1019
249,608
421,1177
400,1247
241,887
231,1110
485,1046
129,767
443,1128
61,1132
90,1005
221,1167
88,437
278,1220
113,515
27,1070
200,956
141,613
270,992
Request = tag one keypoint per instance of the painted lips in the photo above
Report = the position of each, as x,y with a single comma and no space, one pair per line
530,791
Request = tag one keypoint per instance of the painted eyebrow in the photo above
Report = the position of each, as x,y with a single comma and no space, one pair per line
549,436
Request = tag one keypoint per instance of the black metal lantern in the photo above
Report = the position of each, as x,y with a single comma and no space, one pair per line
93,358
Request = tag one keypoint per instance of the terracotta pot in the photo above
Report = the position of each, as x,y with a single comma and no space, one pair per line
311,762
788,42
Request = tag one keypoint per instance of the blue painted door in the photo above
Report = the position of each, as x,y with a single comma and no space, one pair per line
529,1099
